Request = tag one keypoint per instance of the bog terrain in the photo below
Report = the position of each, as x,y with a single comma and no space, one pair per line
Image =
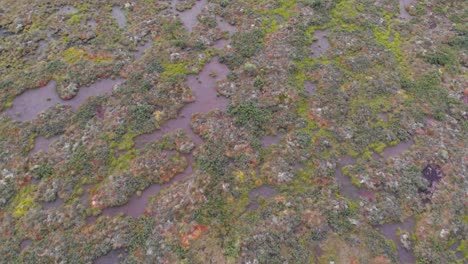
233,131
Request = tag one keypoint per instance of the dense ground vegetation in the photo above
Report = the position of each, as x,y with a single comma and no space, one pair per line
369,166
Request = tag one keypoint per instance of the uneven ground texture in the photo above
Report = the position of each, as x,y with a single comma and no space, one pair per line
233,131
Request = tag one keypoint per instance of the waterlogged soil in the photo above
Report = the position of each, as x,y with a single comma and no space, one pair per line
391,230
266,192
141,50
270,140
25,243
42,144
347,188
34,101
394,151
68,9
50,205
115,256
310,88
119,17
321,45
137,204
403,12
189,17
206,99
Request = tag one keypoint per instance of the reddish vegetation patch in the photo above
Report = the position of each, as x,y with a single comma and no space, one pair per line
195,234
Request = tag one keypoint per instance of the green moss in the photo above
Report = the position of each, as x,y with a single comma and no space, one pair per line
463,248
378,146
174,69
123,162
75,19
24,201
73,55
126,142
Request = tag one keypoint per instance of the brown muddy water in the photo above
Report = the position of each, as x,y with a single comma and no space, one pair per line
30,103
207,99
321,45
390,231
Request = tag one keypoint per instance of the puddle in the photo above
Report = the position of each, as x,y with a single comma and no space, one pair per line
321,45
141,50
68,9
33,101
5,33
119,16
207,99
454,247
347,188
383,116
25,243
189,17
42,46
225,26
50,205
390,232
265,191
91,24
310,88
115,256
397,150
42,144
270,140
403,12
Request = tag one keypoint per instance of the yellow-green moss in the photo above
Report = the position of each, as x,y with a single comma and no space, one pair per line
24,201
